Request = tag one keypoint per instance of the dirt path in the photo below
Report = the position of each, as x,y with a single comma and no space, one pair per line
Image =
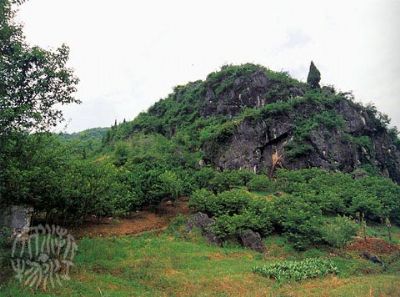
136,223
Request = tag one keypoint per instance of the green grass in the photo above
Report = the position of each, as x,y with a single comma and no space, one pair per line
167,265
382,232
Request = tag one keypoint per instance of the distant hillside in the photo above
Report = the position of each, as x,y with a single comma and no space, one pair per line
85,143
248,116
85,135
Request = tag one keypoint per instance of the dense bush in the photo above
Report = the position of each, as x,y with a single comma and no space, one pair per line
339,231
237,210
386,192
261,183
308,213
339,193
202,177
204,201
43,173
88,188
297,270
234,211
171,184
229,179
225,203
121,153
228,226
299,221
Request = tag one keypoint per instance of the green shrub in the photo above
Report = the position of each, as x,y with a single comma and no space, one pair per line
297,270
363,141
220,132
337,232
367,204
229,179
387,192
203,200
299,221
171,184
202,177
339,193
121,153
261,183
296,149
312,194
227,226
233,211
231,202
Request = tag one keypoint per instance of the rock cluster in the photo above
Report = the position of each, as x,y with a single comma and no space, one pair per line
203,222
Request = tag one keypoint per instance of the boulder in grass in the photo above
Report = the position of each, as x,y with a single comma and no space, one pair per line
371,257
199,220
17,218
252,240
203,222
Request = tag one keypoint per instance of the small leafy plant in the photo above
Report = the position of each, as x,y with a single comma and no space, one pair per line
297,270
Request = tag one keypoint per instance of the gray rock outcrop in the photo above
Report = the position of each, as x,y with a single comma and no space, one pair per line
203,222
254,141
252,240
17,218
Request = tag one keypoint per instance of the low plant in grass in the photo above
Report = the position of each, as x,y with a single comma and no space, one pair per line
177,227
297,270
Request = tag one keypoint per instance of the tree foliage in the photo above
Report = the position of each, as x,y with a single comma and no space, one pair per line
33,83
32,80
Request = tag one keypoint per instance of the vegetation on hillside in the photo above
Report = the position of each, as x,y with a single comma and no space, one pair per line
310,207
160,155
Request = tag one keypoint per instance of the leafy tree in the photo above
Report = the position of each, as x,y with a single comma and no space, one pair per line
32,80
33,83
314,76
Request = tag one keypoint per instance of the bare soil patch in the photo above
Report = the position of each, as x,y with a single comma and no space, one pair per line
373,245
136,223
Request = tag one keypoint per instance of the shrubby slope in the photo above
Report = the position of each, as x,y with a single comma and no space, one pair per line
245,116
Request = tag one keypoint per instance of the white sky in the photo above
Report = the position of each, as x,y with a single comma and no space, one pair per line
129,54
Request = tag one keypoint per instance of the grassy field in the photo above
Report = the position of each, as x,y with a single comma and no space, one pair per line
166,264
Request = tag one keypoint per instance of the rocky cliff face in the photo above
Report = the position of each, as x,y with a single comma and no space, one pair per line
230,94
332,132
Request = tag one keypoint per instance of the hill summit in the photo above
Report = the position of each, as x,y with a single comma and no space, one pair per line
249,117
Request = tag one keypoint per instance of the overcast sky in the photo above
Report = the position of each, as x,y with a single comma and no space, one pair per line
129,54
